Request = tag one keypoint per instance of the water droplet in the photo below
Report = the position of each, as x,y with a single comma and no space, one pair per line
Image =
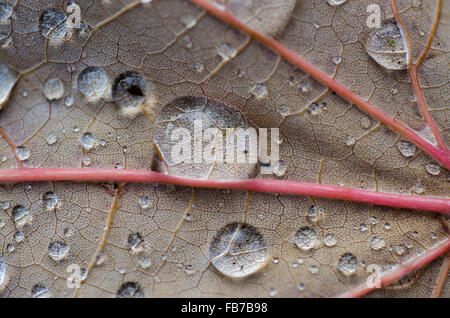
387,46
40,291
273,292
304,87
21,215
314,109
406,148
276,260
5,39
129,89
144,261
365,122
51,139
87,141
306,239
5,11
238,250
100,259
199,67
418,188
135,242
337,60
336,2
188,20
53,24
130,290
3,158
414,234
433,168
226,51
58,251
189,270
284,110
387,226
347,264
350,141
19,236
10,248
4,205
399,250
68,101
314,213
301,286
145,202
259,91
279,168
87,161
377,243
53,88
23,153
313,269
3,274
7,81
50,200
92,82
330,240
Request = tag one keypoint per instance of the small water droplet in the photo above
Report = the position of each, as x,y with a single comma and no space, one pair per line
377,243
51,139
100,259
276,260
68,101
226,51
304,87
259,90
40,291
10,248
4,205
406,148
199,67
53,88
87,161
313,269
53,24
58,251
92,82
387,226
50,200
433,168
314,213
3,274
284,110
5,11
189,270
3,158
330,240
145,202
337,60
365,122
188,20
347,264
130,290
19,236
399,250
21,215
350,141
144,261
306,239
273,292
5,39
279,168
301,286
23,153
418,188
314,109
7,81
135,242
87,141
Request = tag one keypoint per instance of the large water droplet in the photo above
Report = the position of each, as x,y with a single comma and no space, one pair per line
387,47
129,89
87,141
23,153
7,81
238,250
347,264
130,290
53,88
433,168
406,148
50,200
58,251
306,239
92,82
377,243
52,24
40,291
21,215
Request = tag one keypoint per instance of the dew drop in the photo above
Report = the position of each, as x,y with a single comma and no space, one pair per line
7,81
336,2
51,139
23,153
226,51
304,87
399,250
58,251
39,291
5,11
406,148
314,213
199,67
50,200
135,242
347,264
129,89
87,161
301,286
418,188
130,290
3,274
313,269
259,91
350,141
306,239
92,82
10,248
188,20
433,168
100,259
53,24
284,110
337,60
21,215
238,250
4,205
68,101
144,261
145,202
273,292
330,240
19,236
87,141
387,47
53,88
314,109
5,39
279,168
377,243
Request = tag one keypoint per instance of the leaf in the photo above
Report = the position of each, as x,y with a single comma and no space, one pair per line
133,239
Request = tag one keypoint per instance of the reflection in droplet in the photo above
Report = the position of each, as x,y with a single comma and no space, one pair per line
50,200
7,81
306,239
92,82
238,250
406,148
130,290
347,264
53,88
129,89
52,24
387,46
58,251
23,153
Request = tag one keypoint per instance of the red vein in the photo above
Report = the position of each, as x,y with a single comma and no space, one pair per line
443,275
438,154
435,204
432,33
412,70
401,270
